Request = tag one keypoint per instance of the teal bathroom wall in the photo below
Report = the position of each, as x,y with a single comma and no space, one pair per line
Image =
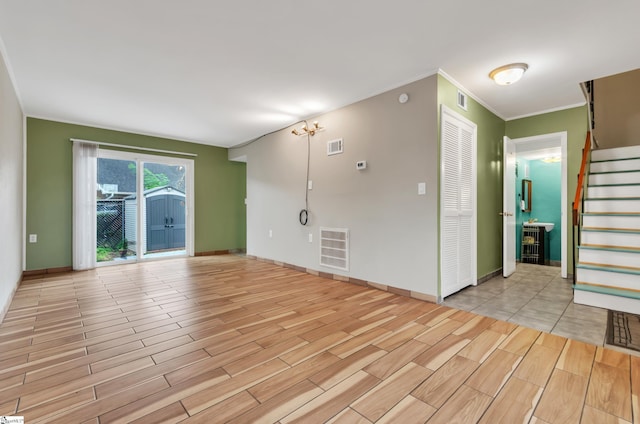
521,165
545,201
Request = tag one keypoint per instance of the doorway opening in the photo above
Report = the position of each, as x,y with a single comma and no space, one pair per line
144,205
541,167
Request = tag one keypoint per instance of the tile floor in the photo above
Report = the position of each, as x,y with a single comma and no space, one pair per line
537,297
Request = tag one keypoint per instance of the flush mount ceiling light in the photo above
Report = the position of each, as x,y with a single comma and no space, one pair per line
508,74
304,130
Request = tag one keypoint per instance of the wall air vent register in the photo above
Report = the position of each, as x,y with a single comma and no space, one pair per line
334,248
335,147
462,100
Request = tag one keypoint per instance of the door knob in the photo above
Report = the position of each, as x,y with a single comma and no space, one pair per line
505,214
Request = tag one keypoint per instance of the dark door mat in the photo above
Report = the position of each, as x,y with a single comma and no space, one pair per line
623,330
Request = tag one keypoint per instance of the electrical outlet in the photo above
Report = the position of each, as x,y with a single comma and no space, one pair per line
270,233
422,188
310,185
33,238
310,238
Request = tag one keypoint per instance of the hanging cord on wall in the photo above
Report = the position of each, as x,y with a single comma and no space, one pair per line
304,213
303,216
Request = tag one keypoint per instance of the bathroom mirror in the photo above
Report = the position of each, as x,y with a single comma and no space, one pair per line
526,195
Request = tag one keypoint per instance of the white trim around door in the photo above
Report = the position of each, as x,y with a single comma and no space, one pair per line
545,141
140,159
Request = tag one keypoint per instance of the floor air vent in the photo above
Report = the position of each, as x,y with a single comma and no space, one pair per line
334,248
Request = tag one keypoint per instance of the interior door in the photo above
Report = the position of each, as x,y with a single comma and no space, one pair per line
458,203
509,208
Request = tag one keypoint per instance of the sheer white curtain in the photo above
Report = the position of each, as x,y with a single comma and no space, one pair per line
85,164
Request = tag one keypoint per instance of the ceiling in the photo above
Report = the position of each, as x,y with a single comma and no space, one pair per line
540,154
539,147
224,72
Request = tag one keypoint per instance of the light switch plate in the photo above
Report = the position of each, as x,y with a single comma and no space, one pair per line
422,188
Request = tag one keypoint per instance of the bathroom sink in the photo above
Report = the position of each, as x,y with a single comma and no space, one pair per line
548,226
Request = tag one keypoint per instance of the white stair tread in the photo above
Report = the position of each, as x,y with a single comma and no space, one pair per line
613,257
624,152
606,221
631,177
609,276
609,268
615,165
611,239
607,289
606,301
613,191
610,247
611,230
606,205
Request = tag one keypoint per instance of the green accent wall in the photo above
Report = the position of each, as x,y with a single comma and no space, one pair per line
220,190
491,130
574,122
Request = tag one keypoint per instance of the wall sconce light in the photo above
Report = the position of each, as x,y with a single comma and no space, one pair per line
508,74
304,130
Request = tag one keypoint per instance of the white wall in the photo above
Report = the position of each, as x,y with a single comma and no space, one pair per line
393,230
11,189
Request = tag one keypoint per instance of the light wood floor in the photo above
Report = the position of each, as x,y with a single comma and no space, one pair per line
230,339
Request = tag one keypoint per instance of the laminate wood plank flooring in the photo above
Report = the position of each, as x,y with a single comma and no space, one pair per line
232,339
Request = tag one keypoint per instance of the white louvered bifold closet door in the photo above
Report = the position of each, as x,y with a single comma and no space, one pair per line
458,202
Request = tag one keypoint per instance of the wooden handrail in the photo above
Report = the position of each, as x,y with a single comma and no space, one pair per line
583,166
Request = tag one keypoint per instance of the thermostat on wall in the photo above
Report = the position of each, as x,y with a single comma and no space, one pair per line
361,164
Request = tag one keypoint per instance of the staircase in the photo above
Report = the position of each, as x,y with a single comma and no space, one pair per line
608,269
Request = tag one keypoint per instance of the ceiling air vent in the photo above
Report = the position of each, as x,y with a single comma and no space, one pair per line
462,100
334,147
334,248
